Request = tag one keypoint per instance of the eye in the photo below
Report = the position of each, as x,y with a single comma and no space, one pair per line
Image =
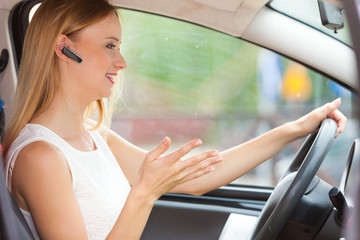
111,46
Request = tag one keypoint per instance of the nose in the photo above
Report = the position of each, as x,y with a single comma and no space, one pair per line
119,62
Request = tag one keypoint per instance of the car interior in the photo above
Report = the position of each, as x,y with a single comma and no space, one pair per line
227,71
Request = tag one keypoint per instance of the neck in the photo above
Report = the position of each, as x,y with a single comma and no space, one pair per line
64,116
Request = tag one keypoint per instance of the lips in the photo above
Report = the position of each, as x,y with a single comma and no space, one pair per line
110,77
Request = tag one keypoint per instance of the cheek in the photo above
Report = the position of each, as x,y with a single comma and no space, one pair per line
96,65
97,59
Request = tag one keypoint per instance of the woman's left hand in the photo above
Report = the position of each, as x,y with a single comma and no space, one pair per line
311,121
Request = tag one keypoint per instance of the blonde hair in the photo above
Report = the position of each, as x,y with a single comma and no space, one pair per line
37,83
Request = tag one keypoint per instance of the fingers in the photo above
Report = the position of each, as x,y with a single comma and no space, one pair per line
185,149
176,155
328,108
160,173
197,169
311,121
198,165
334,105
340,119
159,150
331,111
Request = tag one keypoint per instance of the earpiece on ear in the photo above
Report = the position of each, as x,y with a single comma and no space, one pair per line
70,54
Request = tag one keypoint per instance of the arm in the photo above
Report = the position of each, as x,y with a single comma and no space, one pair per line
243,158
42,184
240,159
237,160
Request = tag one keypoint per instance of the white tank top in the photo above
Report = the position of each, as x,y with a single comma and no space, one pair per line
99,184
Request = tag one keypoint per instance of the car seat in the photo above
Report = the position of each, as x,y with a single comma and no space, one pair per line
13,225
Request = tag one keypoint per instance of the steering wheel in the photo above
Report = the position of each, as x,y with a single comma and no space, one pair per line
295,182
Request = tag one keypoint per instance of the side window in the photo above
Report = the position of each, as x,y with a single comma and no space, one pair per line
185,81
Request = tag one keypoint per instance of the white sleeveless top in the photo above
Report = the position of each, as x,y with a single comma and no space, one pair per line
99,184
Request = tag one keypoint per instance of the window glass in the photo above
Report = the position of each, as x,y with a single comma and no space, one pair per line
185,81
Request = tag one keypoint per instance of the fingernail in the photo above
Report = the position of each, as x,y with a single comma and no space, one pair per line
198,142
215,153
166,139
211,169
218,159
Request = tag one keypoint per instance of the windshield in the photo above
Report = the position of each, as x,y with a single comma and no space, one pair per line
307,11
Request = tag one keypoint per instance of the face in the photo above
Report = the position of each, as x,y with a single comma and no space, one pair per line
99,47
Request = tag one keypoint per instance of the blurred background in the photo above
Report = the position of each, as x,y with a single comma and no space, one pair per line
185,81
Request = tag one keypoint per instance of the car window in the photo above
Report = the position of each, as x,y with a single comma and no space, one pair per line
186,81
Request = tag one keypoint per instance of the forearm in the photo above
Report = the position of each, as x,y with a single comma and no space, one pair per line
133,217
243,158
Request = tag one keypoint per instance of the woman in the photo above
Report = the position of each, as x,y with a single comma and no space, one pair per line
75,183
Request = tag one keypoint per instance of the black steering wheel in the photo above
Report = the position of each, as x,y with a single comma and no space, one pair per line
294,183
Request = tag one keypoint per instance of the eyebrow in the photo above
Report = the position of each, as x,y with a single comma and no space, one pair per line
113,38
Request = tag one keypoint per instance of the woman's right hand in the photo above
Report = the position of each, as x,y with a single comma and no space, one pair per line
161,173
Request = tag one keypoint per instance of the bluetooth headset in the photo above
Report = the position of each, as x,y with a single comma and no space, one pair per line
70,54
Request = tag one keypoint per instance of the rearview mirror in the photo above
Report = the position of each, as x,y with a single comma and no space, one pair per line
331,14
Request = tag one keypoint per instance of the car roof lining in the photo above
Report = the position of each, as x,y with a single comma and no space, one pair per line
198,11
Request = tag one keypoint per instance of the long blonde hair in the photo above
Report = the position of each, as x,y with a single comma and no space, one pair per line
39,77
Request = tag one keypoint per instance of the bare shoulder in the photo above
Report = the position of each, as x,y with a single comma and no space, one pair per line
38,155
39,166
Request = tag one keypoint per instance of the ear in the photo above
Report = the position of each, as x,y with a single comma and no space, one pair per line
62,41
